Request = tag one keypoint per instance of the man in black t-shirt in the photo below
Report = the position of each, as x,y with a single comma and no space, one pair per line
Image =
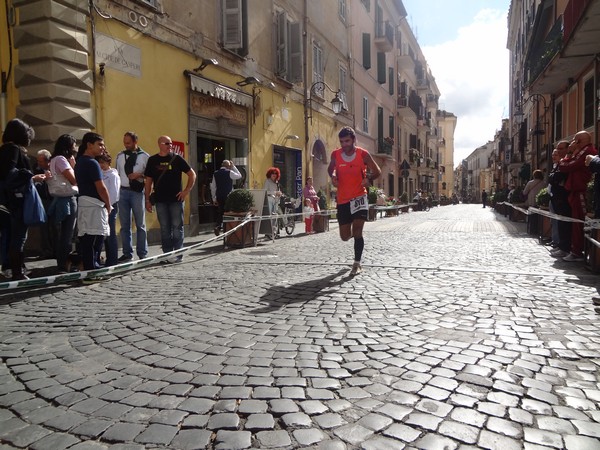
163,176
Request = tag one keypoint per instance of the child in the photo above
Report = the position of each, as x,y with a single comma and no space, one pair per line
308,211
113,183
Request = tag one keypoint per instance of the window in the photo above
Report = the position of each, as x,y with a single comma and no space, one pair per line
152,3
391,126
288,49
318,70
380,135
342,10
366,4
381,75
235,26
366,48
588,100
343,73
391,80
365,114
558,119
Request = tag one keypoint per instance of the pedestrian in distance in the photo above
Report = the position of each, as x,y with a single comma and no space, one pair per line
484,197
163,191
220,187
309,192
352,169
131,164
94,205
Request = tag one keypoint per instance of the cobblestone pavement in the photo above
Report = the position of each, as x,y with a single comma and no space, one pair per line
461,332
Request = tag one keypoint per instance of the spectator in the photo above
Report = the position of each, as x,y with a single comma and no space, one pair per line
220,187
163,174
64,206
94,203
484,197
533,187
112,181
15,173
559,203
578,177
309,192
131,165
48,230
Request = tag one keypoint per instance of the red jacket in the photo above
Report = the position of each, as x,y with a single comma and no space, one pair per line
579,174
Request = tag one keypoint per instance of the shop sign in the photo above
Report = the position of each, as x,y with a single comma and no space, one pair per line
179,148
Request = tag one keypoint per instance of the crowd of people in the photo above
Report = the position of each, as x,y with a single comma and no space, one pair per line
82,195
574,163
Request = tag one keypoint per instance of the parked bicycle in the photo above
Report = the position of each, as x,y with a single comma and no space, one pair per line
286,211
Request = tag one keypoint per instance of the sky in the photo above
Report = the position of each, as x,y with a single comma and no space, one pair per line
464,43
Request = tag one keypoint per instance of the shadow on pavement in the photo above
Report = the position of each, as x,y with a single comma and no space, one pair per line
277,297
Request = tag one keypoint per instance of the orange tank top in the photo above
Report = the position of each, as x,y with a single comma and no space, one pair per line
349,175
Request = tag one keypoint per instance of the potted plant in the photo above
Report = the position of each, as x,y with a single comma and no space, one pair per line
238,205
404,202
372,193
321,221
542,199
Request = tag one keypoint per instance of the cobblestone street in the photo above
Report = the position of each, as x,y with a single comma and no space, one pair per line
461,332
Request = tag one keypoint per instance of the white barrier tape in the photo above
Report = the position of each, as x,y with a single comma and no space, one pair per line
591,223
120,268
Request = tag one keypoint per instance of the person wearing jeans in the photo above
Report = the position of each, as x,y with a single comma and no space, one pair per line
131,164
163,176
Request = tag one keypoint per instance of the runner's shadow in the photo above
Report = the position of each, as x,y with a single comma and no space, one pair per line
278,297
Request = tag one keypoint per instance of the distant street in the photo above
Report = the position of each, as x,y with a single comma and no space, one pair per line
461,332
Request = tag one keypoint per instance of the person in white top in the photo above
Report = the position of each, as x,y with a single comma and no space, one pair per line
112,181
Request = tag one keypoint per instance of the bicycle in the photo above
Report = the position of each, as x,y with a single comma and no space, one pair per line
286,208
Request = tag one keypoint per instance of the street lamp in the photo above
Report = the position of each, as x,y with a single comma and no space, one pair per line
336,103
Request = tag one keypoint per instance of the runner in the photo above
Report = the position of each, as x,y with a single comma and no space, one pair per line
348,172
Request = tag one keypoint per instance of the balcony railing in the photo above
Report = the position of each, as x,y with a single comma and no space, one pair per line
384,36
384,146
543,54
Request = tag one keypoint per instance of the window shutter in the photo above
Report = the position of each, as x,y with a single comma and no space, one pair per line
232,24
366,41
295,53
391,126
391,80
281,69
380,122
381,75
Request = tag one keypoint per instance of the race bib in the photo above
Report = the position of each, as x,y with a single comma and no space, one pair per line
358,204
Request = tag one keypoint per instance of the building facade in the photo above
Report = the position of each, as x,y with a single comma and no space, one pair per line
254,81
554,70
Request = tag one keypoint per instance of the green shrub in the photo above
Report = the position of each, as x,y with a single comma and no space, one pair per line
543,198
372,195
239,200
322,200
404,198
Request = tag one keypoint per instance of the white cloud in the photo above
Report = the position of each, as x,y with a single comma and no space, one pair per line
472,75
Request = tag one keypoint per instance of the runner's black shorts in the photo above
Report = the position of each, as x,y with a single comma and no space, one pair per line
344,217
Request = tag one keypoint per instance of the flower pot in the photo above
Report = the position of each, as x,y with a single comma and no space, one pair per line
320,223
243,236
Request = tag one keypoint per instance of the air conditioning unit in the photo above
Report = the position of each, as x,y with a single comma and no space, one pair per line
402,101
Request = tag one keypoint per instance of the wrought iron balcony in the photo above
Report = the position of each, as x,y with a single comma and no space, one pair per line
546,50
385,146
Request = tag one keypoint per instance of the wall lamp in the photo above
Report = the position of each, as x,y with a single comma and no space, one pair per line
519,114
248,80
292,137
205,63
336,103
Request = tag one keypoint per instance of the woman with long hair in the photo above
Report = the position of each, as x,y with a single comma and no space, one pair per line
63,209
16,138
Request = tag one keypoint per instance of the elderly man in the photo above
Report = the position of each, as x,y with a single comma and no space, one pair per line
220,187
578,177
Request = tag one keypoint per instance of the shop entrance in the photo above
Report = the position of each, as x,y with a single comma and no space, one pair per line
212,151
289,162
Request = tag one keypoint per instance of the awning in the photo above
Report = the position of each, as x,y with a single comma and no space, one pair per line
208,87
